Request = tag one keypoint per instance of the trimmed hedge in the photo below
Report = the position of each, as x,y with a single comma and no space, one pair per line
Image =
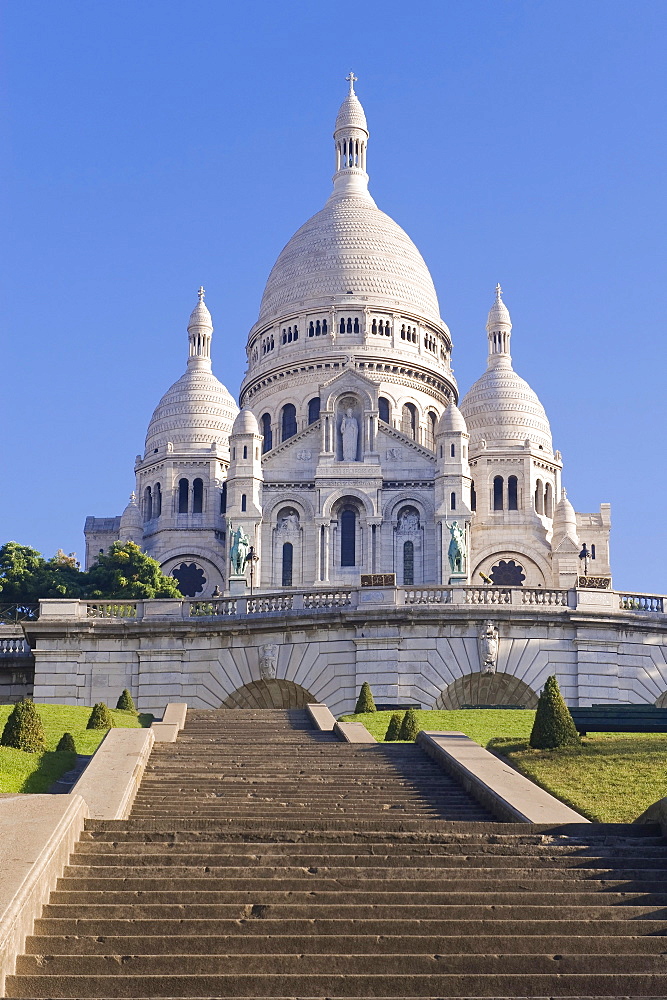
66,743
23,729
394,728
365,701
554,726
410,727
100,717
125,702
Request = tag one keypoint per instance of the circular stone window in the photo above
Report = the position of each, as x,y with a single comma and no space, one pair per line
190,578
508,574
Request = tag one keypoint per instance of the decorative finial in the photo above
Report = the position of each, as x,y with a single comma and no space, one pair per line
201,293
133,497
351,78
499,291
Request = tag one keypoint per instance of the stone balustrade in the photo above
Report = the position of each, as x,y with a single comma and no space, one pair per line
14,646
641,602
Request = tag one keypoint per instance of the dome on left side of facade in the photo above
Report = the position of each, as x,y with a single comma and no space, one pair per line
196,411
245,423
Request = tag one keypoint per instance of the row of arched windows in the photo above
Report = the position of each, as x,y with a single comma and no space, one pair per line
381,327
543,498
349,325
409,333
268,344
430,343
505,500
290,334
317,328
189,500
152,502
288,422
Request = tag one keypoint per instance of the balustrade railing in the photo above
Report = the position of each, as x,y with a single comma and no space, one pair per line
544,598
274,602
111,609
487,595
14,647
428,595
213,609
641,602
327,599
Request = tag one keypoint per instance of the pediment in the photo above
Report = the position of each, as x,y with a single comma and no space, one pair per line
349,380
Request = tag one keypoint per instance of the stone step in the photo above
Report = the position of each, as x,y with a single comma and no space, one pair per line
471,985
343,944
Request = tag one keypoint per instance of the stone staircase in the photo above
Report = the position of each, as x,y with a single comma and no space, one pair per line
264,859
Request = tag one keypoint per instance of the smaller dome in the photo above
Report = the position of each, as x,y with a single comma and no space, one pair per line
499,314
200,315
452,420
351,114
131,516
245,423
565,520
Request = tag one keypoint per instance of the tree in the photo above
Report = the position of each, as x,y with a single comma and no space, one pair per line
410,727
100,717
66,743
26,576
125,702
365,701
23,729
394,727
554,726
125,572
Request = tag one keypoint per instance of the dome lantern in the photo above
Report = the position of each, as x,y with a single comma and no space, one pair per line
499,330
351,141
200,330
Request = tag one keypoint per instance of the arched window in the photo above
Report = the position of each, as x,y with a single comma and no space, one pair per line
498,493
409,421
548,501
356,325
430,430
324,326
342,326
148,504
289,421
245,450
512,494
313,409
265,422
223,498
452,451
539,497
452,501
349,324
408,563
374,327
592,552
288,558
348,540
383,407
473,496
318,328
183,495
244,502
197,496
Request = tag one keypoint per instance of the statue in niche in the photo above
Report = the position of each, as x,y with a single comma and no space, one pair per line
268,661
239,551
488,648
457,548
288,521
349,432
408,521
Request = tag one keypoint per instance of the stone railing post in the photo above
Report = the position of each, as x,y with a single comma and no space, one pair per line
458,595
297,602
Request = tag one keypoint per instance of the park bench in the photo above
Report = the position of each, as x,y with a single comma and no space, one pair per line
620,719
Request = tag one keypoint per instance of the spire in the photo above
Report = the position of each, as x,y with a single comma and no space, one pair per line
200,328
351,140
499,330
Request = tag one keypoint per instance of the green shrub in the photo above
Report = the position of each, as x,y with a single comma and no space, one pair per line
554,726
100,717
125,702
365,701
394,727
410,726
23,729
66,743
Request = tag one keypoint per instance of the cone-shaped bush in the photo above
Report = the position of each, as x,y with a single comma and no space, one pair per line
100,717
394,727
410,726
23,729
365,701
66,742
125,702
554,726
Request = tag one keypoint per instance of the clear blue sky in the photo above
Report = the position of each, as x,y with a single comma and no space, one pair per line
153,146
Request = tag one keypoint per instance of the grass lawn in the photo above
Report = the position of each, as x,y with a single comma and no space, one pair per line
611,777
35,772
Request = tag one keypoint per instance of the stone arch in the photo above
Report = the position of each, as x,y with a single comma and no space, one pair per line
537,570
486,689
269,694
661,702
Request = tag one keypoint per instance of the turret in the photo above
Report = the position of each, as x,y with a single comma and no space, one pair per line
245,478
351,141
452,487
565,544
200,331
131,522
499,331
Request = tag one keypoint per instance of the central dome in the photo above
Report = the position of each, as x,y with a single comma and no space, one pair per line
350,247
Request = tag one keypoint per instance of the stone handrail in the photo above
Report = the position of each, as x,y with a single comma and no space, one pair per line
288,602
14,647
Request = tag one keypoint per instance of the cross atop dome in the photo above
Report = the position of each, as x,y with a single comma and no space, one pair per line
499,292
352,79
201,292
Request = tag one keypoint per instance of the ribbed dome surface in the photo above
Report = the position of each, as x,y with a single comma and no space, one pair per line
351,114
452,420
350,246
502,409
194,413
245,423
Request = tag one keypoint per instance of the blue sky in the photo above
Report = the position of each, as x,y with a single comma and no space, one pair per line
153,146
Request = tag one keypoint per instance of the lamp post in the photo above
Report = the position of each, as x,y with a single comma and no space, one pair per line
585,557
252,559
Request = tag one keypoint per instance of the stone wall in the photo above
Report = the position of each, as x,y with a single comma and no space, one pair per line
411,645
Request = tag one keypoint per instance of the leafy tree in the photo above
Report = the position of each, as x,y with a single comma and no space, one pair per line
125,702
554,726
410,727
365,701
394,727
128,573
26,576
66,743
100,717
23,729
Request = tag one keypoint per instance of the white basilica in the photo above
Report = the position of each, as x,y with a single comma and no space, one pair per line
349,455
